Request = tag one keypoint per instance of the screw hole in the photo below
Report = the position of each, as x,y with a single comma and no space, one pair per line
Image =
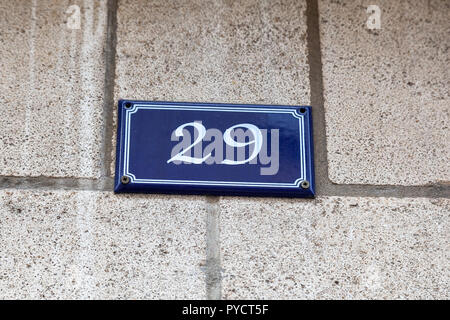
127,105
125,180
305,184
302,110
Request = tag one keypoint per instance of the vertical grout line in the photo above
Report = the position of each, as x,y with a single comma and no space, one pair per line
213,263
317,96
110,72
85,274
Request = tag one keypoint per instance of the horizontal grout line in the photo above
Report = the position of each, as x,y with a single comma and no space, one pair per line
389,191
56,183
344,190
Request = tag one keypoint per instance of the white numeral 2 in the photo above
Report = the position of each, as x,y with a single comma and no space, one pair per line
201,134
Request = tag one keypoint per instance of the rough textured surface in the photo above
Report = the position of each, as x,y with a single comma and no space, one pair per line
350,248
219,51
67,245
212,51
386,93
51,88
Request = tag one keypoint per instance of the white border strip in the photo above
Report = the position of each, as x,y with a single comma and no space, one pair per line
137,107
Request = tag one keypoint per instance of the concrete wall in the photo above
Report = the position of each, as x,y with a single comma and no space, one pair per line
379,227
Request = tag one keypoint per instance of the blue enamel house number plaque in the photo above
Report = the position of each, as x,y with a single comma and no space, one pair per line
212,148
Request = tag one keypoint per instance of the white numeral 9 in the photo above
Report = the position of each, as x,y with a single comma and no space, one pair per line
257,141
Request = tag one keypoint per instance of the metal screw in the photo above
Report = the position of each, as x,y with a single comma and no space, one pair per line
302,110
127,105
125,180
305,184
